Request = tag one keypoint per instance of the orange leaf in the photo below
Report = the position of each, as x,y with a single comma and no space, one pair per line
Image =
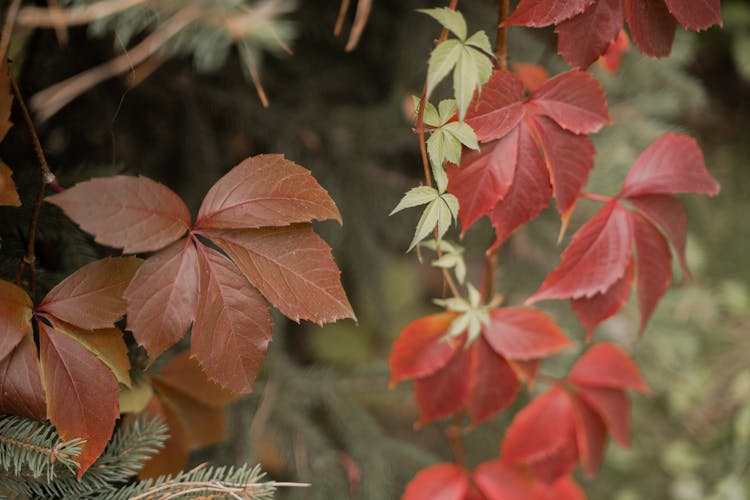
8,190
15,316
21,389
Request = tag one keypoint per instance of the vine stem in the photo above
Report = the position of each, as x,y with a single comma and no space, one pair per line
47,178
419,128
501,47
596,197
453,436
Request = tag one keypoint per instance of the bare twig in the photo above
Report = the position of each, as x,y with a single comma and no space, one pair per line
360,21
39,17
49,101
60,29
340,19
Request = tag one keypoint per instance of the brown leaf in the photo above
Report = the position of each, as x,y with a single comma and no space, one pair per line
265,190
292,267
132,213
8,190
81,393
21,389
6,99
91,297
163,296
183,375
15,316
233,324
174,456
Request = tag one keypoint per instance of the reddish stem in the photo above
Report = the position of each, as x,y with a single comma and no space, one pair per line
597,197
453,436
501,47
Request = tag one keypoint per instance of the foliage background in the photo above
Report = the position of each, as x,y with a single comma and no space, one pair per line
321,411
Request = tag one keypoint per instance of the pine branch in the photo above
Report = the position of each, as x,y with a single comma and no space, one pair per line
34,450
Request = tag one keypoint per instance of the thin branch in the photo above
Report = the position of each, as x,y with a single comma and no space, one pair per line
47,178
49,101
60,29
596,197
360,21
343,9
501,46
39,17
10,19
487,281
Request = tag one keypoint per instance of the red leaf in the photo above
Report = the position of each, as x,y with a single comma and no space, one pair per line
597,257
606,365
667,213
81,393
520,333
484,177
499,109
565,489
184,375
654,266
651,26
612,406
8,190
163,297
21,389
132,213
533,76
593,310
448,390
591,435
233,325
91,297
265,190
438,482
528,195
420,349
582,39
292,267
695,15
575,100
612,57
173,457
526,370
15,316
569,159
672,164
538,13
494,384
543,435
500,481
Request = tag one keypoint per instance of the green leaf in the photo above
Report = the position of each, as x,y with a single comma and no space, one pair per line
451,20
480,41
465,80
460,270
441,178
452,202
446,109
447,261
463,132
445,217
452,148
431,116
474,296
415,197
484,67
427,222
442,60
436,148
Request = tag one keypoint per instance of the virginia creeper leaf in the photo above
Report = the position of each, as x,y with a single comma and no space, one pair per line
672,164
450,19
695,15
654,266
538,13
612,57
499,481
606,365
446,391
612,406
499,109
575,100
8,190
593,310
292,267
438,482
533,76
420,195
582,39
91,297
565,489
233,324
651,26
15,316
597,257
521,333
494,384
183,374
591,437
173,457
21,389
81,393
107,344
163,296
136,214
667,213
442,60
265,190
420,350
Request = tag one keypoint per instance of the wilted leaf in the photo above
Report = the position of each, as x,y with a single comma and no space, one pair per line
91,297
132,213
262,191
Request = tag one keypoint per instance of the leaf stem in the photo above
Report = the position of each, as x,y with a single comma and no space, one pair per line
597,197
501,46
47,178
487,281
453,436
419,129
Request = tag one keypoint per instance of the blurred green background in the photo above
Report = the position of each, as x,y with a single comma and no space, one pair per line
321,411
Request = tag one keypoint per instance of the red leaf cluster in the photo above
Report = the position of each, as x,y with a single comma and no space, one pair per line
530,149
481,377
83,355
618,244
259,215
569,424
586,28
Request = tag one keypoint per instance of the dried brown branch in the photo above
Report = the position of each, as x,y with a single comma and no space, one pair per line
360,21
39,17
